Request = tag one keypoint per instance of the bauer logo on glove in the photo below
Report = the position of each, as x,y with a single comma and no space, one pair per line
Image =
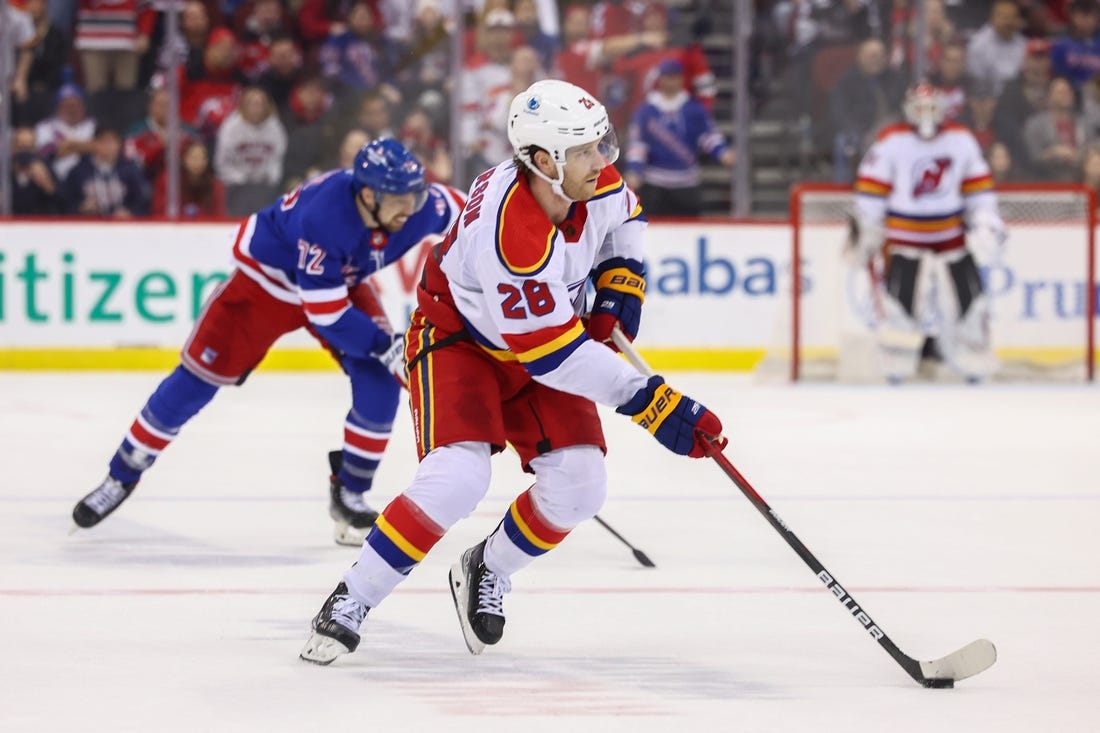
679,423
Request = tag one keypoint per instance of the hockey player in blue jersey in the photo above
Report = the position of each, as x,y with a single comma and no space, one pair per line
302,262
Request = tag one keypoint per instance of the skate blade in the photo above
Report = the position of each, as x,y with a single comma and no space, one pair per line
458,593
345,534
321,650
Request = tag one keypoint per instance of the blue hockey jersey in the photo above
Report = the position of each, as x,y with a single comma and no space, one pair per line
311,246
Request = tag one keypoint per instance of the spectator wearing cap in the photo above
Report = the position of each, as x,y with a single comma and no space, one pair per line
111,38
665,139
1076,55
996,52
68,134
105,184
1020,99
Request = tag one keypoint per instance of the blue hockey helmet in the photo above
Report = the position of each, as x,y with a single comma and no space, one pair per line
386,166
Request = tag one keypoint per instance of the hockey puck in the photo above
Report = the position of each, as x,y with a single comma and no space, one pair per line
939,683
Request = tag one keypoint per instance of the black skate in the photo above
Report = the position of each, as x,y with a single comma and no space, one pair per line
335,628
479,597
104,499
347,508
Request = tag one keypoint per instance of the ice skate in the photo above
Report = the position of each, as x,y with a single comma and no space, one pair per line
104,499
335,628
479,597
347,508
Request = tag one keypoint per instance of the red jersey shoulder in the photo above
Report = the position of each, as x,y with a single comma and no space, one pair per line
524,234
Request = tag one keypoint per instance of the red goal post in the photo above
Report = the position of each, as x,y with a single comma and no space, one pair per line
1043,294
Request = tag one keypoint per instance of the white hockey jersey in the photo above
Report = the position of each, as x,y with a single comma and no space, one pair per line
924,191
516,282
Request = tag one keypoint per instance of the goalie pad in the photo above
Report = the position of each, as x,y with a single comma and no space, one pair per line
899,339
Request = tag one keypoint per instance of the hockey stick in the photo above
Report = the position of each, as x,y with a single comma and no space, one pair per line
975,657
638,554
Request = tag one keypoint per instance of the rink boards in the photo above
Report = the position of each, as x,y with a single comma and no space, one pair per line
124,295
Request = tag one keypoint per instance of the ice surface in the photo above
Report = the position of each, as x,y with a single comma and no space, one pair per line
951,513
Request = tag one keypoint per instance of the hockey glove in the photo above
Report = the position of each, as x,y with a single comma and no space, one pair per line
986,237
392,355
620,292
679,423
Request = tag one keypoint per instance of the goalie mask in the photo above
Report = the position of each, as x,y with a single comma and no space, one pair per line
925,109
557,117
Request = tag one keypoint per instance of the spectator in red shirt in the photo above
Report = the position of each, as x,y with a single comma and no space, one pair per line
146,140
583,59
201,193
206,100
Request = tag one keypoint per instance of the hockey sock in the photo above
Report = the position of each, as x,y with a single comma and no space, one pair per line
176,400
401,537
523,535
364,443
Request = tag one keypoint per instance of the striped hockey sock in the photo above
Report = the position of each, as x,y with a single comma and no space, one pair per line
523,535
364,444
176,400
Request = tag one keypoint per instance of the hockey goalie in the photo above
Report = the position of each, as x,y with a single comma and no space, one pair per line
927,219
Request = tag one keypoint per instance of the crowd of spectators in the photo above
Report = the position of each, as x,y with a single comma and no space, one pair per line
272,92
1022,74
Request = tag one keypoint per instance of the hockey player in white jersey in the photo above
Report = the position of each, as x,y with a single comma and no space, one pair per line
925,192
498,353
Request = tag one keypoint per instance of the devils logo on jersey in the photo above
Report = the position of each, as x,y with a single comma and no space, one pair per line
927,173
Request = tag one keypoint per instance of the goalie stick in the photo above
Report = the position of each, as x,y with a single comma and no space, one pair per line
975,657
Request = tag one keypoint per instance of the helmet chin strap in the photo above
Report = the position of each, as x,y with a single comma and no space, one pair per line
373,210
555,183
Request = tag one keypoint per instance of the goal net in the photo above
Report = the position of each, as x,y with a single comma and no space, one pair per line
1043,291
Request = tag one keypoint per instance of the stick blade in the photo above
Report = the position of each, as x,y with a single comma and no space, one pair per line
644,559
975,657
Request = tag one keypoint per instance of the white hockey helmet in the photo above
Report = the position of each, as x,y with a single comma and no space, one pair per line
555,116
925,109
